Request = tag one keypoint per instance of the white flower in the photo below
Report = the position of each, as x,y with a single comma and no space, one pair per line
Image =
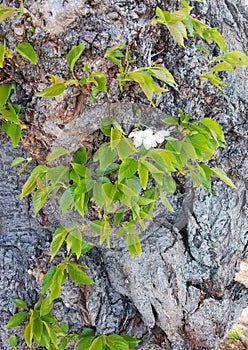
147,138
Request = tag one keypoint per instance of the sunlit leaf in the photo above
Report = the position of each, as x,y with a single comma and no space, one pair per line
26,50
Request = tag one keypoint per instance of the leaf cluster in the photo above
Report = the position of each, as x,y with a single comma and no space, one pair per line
9,114
127,181
88,341
182,25
95,79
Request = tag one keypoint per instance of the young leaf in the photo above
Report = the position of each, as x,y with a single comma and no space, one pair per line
143,175
26,50
58,239
77,275
13,131
114,54
74,242
47,279
56,153
17,161
127,169
37,329
98,343
16,319
46,306
13,340
52,91
28,333
74,55
86,246
6,12
80,156
29,186
5,92
132,342
20,303
39,199
57,282
223,176
133,244
165,201
84,343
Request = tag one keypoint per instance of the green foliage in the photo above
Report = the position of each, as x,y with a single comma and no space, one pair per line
120,186
129,174
182,25
88,341
12,125
26,50
143,76
95,79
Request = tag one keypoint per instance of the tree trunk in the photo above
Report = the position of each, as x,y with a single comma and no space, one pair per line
181,293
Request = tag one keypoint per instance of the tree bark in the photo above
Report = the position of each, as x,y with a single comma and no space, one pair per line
181,293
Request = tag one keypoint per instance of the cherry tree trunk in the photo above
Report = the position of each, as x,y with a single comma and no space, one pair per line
181,293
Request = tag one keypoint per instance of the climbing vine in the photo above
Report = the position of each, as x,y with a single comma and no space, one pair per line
123,179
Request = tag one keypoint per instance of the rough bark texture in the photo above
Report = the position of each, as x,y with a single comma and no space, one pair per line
181,293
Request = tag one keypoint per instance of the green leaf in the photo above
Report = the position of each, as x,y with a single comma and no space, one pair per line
133,244
223,177
163,74
100,82
57,282
52,91
20,303
84,343
118,216
10,114
125,148
171,120
5,91
80,156
169,184
17,161
56,153
46,306
58,239
165,201
74,55
127,169
77,275
16,319
28,334
104,155
26,50
143,175
47,279
66,199
37,329
222,66
13,340
98,343
216,81
114,54
63,344
29,186
132,342
74,242
2,54
13,131
39,199
86,246
6,12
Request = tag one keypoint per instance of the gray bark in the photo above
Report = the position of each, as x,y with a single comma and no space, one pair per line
181,293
